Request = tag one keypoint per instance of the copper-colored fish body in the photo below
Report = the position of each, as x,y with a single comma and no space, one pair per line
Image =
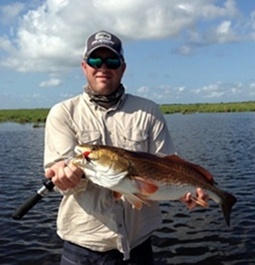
141,177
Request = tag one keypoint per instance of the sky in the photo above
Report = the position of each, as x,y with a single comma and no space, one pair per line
177,51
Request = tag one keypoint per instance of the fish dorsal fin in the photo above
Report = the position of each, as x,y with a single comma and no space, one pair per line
146,186
201,170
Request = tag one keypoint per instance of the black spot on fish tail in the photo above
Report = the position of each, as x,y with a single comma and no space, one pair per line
227,205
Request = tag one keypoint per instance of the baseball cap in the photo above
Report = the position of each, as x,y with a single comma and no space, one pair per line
103,39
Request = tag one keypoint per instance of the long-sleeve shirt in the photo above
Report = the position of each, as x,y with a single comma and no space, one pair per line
89,215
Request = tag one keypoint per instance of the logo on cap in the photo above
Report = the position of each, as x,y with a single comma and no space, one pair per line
103,35
102,38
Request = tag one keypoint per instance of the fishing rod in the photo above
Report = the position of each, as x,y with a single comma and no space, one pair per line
31,201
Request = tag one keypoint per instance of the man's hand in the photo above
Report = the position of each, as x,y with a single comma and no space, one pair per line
64,176
201,199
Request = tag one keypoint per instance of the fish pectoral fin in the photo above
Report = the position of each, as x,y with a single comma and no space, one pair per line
135,201
117,195
143,199
200,202
146,186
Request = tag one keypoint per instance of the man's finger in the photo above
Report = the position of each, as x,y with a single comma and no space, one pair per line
49,173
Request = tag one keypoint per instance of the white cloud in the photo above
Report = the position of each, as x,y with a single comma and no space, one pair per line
6,45
50,37
252,86
10,11
66,95
185,50
143,89
220,90
210,91
225,33
251,90
52,82
252,24
215,92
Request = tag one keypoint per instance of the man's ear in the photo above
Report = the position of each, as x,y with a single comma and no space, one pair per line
83,64
84,67
123,67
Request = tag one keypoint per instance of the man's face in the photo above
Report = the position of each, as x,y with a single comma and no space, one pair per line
102,80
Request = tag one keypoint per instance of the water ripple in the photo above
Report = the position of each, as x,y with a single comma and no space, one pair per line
223,143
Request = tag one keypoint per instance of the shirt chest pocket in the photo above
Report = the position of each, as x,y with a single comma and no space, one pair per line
89,137
135,140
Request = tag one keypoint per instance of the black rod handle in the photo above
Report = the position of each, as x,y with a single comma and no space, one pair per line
31,201
26,206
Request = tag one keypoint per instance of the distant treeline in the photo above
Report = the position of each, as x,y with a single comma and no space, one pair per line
38,116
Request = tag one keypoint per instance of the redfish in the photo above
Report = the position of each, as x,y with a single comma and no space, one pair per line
141,177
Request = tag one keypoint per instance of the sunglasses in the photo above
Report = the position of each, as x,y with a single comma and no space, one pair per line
110,62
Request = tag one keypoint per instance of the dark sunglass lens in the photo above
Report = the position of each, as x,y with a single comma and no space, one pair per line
95,62
113,63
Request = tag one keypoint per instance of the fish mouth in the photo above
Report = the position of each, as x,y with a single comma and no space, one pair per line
82,155
87,159
78,150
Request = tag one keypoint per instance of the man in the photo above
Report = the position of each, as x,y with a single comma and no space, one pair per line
96,227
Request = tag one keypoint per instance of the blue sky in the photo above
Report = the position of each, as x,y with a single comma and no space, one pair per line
177,51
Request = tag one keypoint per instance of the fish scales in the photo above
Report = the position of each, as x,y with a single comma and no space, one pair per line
164,169
143,176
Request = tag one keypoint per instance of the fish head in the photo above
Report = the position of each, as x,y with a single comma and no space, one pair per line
87,152
101,158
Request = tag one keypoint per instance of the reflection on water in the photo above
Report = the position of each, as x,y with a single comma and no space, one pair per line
223,143
32,240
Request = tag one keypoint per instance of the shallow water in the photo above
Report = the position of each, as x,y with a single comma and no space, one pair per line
223,143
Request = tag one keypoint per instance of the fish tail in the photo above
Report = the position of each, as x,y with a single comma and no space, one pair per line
227,205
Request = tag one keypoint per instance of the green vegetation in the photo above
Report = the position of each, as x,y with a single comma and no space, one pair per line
38,116
35,116
208,107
